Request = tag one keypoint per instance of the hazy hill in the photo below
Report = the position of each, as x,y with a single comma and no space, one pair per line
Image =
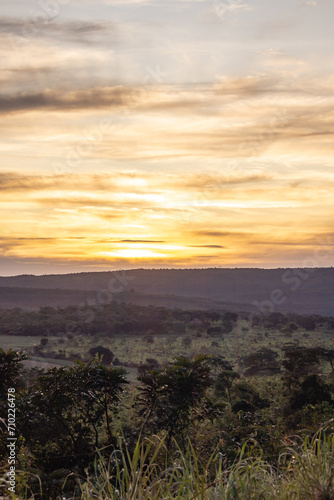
297,290
35,298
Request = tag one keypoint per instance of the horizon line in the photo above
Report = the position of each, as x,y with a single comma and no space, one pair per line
167,269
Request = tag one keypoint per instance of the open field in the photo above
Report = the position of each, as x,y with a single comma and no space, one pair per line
133,350
218,381
18,342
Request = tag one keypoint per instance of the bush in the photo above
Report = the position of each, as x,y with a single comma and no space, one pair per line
108,356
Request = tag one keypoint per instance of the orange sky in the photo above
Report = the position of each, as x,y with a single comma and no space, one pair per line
133,140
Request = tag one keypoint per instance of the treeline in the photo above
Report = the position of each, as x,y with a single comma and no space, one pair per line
127,319
64,415
109,319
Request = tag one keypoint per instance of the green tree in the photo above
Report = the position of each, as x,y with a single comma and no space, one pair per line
224,376
103,352
171,397
263,360
76,405
300,361
10,370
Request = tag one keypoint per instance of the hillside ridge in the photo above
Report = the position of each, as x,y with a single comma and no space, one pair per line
308,290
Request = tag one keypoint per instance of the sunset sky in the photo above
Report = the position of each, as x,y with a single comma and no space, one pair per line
166,133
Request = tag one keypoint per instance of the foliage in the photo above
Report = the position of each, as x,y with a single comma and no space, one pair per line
193,427
263,360
169,395
10,368
103,352
304,472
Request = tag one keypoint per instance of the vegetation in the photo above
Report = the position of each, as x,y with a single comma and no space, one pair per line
304,471
222,405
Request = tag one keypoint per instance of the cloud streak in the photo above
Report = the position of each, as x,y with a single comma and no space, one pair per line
45,26
64,101
256,118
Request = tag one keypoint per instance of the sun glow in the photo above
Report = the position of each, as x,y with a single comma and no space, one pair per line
134,253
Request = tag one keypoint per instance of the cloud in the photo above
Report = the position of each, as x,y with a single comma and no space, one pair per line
8,244
12,182
58,100
44,26
73,217
260,114
142,241
104,187
215,181
246,86
216,234
206,246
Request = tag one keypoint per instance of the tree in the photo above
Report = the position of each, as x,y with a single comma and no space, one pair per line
76,406
150,363
300,361
10,370
106,354
10,373
219,363
224,383
307,322
214,330
171,395
312,391
328,356
230,316
275,320
263,360
311,397
247,398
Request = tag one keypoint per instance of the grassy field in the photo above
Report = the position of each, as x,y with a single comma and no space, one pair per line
18,342
265,398
135,349
26,343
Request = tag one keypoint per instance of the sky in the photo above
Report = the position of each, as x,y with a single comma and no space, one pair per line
166,133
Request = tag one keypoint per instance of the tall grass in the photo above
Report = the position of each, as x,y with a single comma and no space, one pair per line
305,471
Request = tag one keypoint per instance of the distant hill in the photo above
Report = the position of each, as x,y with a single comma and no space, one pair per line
304,291
34,298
